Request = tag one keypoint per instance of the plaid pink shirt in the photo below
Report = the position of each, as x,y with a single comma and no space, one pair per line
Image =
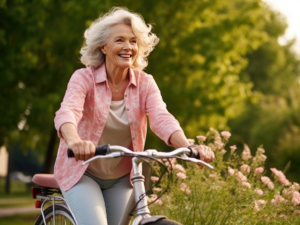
86,104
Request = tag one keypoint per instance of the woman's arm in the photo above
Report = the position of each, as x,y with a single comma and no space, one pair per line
82,149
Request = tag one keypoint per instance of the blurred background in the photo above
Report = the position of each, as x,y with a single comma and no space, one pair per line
222,64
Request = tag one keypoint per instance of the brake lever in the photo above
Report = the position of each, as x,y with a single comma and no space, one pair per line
197,161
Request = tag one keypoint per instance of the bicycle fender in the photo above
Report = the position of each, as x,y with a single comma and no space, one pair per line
151,219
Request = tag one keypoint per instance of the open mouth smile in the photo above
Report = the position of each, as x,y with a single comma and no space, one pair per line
125,56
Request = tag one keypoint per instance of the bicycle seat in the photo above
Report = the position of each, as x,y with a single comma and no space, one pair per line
45,180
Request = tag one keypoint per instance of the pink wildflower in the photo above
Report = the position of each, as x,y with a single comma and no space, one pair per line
259,170
263,157
191,141
245,168
259,192
267,181
260,151
270,185
277,199
185,188
156,189
219,144
179,167
246,154
153,178
201,138
258,203
241,176
246,184
232,149
226,134
181,175
230,171
280,176
296,198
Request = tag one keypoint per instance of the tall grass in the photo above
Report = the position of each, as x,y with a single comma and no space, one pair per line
237,191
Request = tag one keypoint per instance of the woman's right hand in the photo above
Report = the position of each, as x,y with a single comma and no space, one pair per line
83,150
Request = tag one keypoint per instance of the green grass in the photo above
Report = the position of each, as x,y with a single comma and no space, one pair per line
16,202
22,219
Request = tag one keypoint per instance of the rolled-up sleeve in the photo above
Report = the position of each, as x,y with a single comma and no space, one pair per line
162,123
73,103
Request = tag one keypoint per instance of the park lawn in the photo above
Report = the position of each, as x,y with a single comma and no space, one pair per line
16,201
21,219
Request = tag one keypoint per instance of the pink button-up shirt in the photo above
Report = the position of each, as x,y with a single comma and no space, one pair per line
86,104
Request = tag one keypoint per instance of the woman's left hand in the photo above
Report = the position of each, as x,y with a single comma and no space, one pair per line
206,154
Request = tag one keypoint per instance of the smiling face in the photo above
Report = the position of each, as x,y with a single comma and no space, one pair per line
121,47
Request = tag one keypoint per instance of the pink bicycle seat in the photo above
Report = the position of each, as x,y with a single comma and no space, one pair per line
45,180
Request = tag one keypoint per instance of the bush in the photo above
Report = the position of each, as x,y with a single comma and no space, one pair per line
237,191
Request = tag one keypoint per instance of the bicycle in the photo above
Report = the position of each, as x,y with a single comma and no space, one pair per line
60,213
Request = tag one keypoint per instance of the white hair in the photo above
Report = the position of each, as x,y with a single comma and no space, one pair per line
97,34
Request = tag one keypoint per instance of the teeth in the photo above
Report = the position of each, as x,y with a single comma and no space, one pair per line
126,56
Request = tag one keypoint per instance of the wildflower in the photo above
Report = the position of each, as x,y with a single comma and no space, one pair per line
296,198
181,175
277,199
259,192
153,178
267,181
226,134
241,176
185,188
191,141
230,171
232,149
246,184
201,138
259,170
258,203
219,144
179,167
245,168
263,158
246,154
280,176
260,151
156,189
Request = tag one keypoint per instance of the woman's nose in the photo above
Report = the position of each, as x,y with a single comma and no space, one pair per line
127,45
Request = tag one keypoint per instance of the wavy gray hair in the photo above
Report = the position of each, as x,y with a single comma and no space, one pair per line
97,34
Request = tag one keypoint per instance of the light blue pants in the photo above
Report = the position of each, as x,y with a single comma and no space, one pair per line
94,201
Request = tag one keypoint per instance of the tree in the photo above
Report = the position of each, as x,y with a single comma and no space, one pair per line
270,118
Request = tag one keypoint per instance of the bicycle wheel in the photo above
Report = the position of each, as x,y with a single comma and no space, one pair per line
165,222
62,216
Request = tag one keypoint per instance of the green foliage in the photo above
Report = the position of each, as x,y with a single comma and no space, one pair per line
218,64
237,191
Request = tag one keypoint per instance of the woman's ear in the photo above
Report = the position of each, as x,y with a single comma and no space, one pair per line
103,49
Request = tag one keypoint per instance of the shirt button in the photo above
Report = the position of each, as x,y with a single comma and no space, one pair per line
125,95
132,137
130,123
127,109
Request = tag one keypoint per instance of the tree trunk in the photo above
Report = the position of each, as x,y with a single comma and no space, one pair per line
50,152
9,166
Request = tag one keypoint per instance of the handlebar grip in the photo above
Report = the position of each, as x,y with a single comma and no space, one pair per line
100,150
194,153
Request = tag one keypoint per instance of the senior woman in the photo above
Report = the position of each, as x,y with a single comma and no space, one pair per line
108,103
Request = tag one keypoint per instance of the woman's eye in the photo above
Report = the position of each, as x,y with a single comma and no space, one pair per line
119,40
133,41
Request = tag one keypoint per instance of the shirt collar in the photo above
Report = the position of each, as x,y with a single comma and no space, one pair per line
100,75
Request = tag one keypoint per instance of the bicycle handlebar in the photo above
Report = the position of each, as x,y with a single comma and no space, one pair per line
115,151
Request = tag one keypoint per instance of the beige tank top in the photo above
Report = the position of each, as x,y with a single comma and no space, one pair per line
116,132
